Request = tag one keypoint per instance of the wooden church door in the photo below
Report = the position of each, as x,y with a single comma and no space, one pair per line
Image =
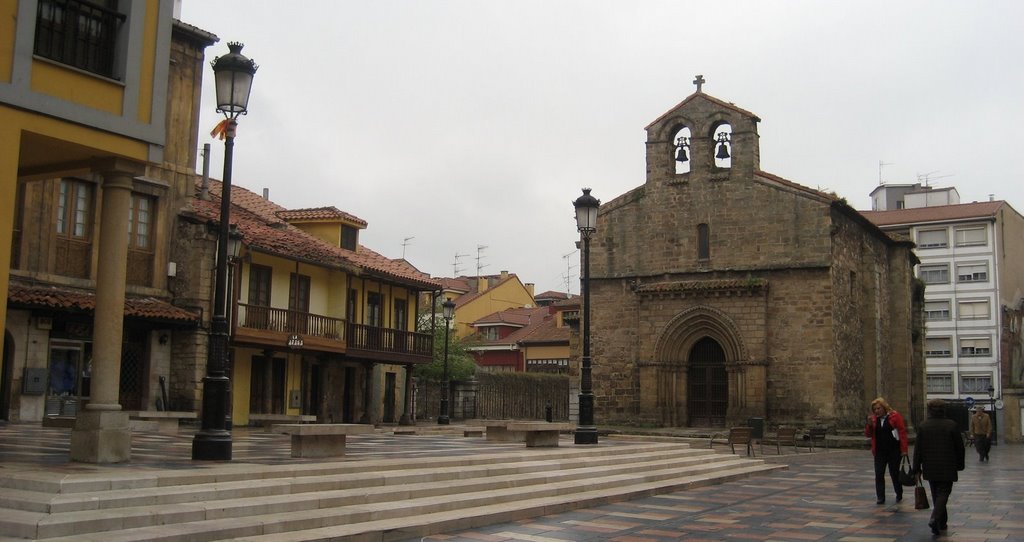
707,389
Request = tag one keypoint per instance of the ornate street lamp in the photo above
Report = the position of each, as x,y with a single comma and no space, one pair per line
586,222
233,74
992,411
448,311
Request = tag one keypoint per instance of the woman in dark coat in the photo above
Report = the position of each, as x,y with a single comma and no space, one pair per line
938,456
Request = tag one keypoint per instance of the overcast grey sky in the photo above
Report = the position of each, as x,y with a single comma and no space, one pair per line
473,123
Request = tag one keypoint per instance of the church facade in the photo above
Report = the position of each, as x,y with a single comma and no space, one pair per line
721,292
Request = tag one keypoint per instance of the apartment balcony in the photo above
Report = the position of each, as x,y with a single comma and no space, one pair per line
264,327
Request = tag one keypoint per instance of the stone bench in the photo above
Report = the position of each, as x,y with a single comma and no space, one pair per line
163,421
472,432
320,439
536,434
268,420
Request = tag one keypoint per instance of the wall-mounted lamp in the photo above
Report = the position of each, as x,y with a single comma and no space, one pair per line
164,338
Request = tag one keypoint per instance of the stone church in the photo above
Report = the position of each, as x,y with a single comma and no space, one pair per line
721,292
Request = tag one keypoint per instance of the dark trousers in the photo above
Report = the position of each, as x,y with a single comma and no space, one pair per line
891,460
982,444
940,496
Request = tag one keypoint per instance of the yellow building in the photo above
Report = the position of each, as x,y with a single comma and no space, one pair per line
476,297
84,97
323,328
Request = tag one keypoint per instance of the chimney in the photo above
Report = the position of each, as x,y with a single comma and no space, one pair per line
481,284
266,193
504,275
530,287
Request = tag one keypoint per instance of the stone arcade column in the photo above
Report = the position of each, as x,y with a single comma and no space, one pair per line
101,433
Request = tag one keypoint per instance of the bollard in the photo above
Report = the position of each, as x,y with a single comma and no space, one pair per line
547,412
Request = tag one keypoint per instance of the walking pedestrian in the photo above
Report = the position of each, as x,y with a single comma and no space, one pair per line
981,429
888,434
938,456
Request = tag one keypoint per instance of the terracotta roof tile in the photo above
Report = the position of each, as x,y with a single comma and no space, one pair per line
941,213
62,298
259,221
319,213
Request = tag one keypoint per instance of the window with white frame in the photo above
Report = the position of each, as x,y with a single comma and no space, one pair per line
934,274
933,238
936,310
975,384
972,272
939,383
938,347
975,347
972,310
971,236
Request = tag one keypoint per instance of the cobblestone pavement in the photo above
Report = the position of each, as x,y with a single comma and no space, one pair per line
827,495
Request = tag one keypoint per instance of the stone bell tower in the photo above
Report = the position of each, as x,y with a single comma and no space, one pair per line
702,138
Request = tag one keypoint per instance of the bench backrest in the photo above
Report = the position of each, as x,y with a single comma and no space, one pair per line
740,435
786,434
817,433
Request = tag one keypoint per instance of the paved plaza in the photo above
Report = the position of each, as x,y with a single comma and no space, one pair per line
825,495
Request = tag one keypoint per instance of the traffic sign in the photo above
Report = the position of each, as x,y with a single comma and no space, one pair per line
969,401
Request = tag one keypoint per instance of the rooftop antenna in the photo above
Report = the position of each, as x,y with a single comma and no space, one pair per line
568,271
926,178
880,165
479,256
405,243
455,264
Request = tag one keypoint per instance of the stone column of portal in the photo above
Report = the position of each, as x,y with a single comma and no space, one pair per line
101,433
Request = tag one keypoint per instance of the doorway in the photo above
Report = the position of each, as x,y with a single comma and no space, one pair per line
708,387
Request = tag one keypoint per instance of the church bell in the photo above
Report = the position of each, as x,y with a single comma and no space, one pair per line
723,149
681,154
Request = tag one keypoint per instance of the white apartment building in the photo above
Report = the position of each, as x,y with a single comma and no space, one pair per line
972,264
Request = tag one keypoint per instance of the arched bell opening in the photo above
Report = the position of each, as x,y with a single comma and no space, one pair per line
723,151
681,150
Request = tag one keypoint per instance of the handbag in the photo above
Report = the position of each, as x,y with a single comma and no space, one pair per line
920,497
906,474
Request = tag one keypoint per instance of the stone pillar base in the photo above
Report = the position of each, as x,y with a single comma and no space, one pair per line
101,436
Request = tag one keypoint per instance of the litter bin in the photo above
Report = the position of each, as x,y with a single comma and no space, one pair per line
757,424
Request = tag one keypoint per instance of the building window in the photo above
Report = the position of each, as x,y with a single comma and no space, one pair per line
934,274
703,242
972,310
401,314
349,238
971,237
936,310
489,333
557,366
939,383
353,300
74,209
938,347
972,348
140,222
78,33
373,316
976,272
933,238
259,285
975,384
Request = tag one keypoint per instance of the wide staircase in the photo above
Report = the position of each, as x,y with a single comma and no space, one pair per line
365,500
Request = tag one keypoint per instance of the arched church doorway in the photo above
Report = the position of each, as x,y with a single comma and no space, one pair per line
707,389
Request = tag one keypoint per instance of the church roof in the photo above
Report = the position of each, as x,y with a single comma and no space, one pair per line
710,98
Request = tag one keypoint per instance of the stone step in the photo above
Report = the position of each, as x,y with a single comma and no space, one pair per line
230,501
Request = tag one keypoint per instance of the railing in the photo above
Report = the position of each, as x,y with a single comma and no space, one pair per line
78,33
289,321
382,339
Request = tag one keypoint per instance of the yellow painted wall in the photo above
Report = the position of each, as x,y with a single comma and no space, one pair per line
329,232
547,352
8,186
321,279
8,20
241,382
507,295
72,86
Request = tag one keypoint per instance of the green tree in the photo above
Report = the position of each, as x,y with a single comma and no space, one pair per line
460,362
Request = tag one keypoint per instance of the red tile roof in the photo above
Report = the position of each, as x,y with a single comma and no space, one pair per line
63,298
941,213
260,223
536,325
320,213
709,98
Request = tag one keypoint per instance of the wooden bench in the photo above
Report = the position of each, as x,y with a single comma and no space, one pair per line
164,421
538,434
320,439
269,420
816,435
785,436
737,435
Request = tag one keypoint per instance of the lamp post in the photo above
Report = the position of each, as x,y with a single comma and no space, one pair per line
233,75
448,311
586,222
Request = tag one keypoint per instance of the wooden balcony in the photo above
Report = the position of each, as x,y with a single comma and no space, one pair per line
271,327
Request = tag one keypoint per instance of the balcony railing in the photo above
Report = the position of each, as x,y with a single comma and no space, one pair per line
289,321
381,339
372,341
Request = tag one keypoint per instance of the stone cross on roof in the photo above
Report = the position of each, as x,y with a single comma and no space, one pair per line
699,81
